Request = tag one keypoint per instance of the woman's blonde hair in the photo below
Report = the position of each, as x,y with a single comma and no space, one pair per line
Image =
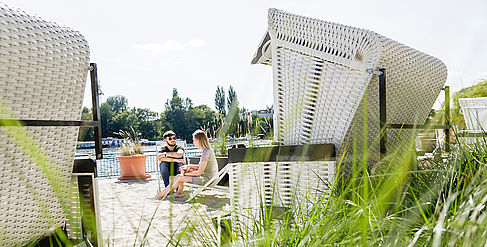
201,136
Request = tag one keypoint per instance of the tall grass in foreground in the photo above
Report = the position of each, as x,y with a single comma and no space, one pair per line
438,202
31,149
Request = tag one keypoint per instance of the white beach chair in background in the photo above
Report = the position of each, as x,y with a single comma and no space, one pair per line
322,77
43,70
326,90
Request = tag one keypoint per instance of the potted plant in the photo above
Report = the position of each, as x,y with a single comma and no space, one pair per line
131,157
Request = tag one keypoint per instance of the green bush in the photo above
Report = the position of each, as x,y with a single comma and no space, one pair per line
478,90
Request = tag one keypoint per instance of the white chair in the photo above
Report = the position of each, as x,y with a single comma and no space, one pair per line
321,73
43,69
210,185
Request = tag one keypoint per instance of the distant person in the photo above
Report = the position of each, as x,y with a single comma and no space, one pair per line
171,157
200,174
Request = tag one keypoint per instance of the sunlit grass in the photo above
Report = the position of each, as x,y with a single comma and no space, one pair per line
397,202
402,202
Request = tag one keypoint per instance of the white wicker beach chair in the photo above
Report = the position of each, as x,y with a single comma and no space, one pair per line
279,184
43,69
324,93
321,77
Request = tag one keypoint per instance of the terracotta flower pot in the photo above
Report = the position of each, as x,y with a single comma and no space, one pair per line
132,167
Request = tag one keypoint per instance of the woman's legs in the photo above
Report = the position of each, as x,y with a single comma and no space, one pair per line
182,180
178,183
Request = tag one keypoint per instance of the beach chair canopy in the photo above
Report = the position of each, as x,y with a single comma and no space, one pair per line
43,69
320,77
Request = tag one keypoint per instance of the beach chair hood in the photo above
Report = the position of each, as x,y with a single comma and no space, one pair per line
324,93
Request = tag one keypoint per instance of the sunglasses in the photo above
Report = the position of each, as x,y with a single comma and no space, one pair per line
171,138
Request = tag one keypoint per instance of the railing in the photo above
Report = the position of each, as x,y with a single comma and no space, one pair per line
109,166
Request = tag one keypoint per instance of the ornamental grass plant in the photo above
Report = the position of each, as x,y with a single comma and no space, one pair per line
133,147
438,201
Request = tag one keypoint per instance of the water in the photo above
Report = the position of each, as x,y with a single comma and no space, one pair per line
109,166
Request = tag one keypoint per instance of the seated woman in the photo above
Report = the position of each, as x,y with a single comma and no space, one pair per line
200,174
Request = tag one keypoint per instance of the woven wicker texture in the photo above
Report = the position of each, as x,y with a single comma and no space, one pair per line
320,78
280,184
43,69
277,183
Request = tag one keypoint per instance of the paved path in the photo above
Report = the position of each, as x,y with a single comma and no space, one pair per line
126,210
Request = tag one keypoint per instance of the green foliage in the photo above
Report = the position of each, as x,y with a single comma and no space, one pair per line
180,116
200,117
118,103
174,111
148,123
478,90
142,120
125,121
232,101
106,115
220,100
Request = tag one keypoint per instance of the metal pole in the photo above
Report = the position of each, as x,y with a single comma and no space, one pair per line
158,174
382,110
447,118
96,111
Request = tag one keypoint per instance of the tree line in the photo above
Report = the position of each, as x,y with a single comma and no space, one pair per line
179,115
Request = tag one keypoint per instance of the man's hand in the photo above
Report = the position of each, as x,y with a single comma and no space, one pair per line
160,157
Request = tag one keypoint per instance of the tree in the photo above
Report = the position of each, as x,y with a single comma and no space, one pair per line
107,114
174,114
220,100
200,117
148,123
119,103
125,121
232,101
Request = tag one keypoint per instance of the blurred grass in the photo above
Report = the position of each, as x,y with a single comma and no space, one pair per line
402,202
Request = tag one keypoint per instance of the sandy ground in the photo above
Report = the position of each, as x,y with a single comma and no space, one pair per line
126,210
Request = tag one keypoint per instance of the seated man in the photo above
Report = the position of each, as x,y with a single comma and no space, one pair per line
171,157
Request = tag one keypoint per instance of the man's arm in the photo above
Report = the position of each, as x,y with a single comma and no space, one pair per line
175,155
166,158
172,156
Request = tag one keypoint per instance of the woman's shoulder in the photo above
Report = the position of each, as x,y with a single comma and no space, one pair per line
208,151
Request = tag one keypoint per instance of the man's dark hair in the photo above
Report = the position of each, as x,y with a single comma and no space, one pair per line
168,134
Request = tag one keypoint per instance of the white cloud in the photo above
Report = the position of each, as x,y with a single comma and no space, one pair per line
169,45
196,43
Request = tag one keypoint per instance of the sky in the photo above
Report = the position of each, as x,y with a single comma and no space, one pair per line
146,48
